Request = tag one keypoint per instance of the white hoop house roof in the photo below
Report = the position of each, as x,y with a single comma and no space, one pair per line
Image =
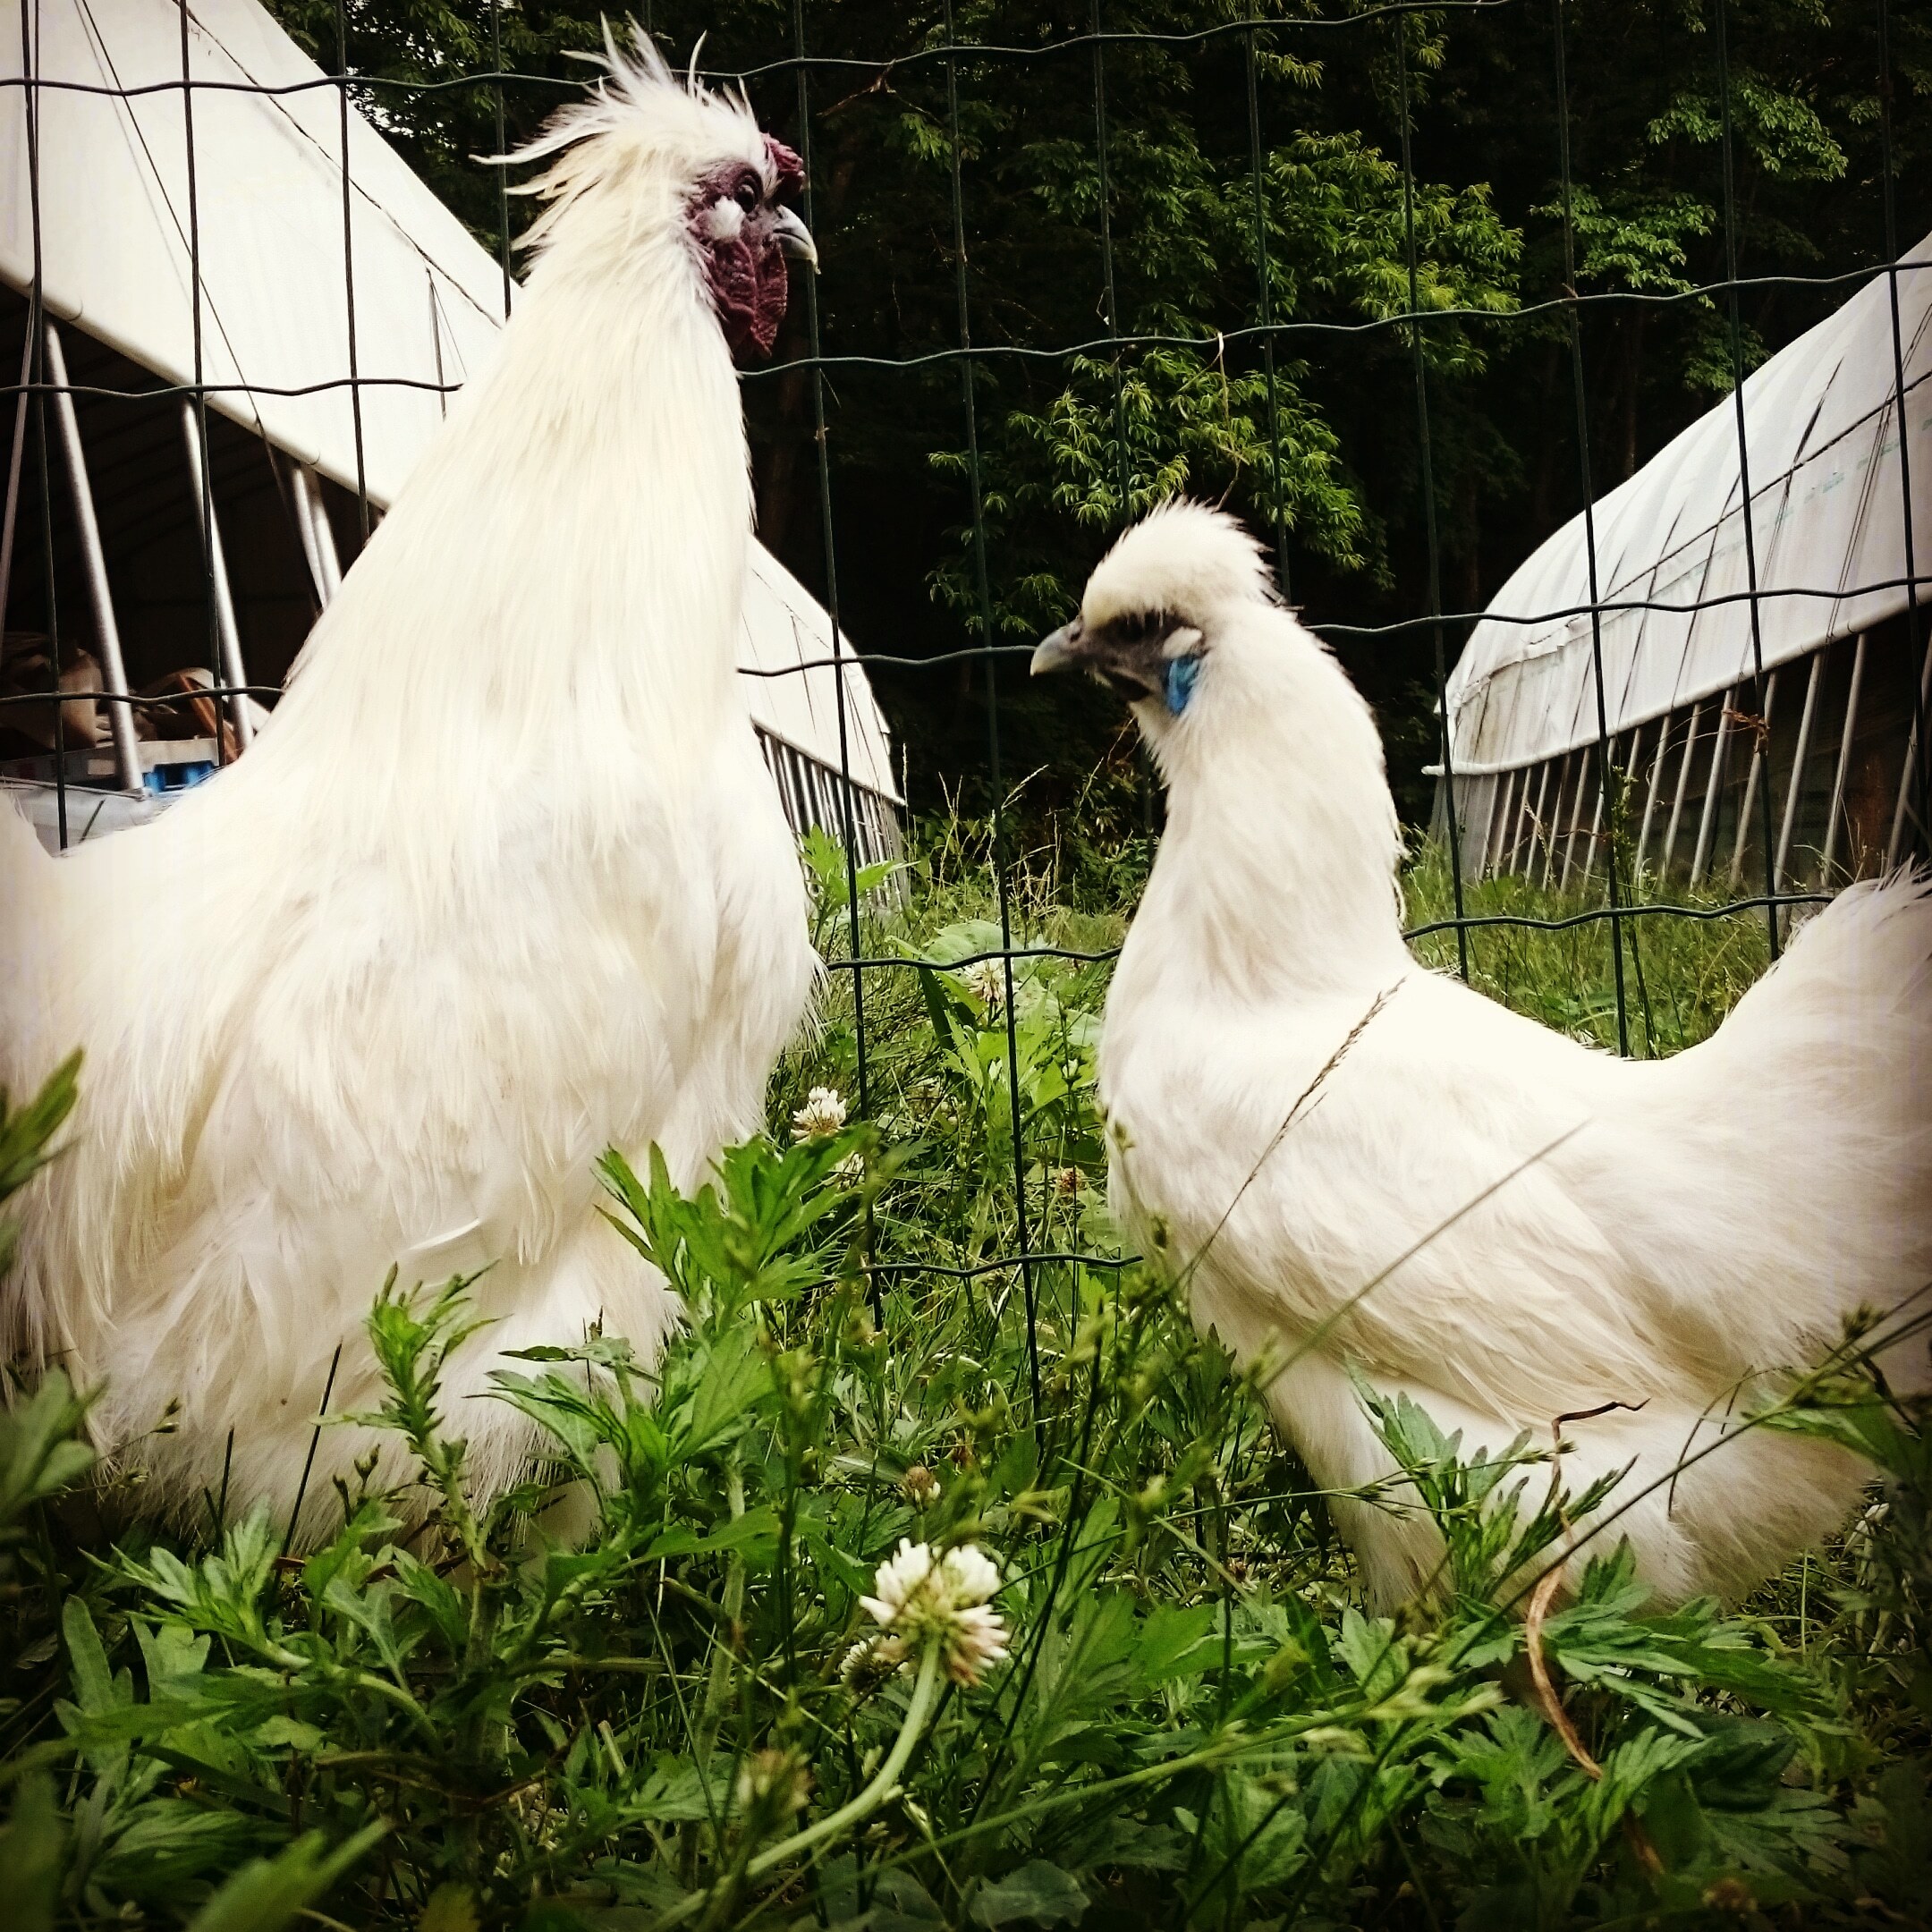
267,208
1821,425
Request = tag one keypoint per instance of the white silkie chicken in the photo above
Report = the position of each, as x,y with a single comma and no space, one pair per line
503,882
1695,1223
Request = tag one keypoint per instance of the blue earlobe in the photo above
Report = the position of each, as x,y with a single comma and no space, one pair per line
1181,672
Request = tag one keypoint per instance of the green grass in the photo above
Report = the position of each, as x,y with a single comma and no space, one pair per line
442,1721
1681,976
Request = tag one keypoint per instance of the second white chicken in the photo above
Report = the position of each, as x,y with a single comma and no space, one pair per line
1585,1230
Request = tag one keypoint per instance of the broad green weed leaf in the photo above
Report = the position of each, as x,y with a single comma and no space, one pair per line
451,1908
33,1855
266,1895
1037,1893
1173,1642
756,1533
676,1792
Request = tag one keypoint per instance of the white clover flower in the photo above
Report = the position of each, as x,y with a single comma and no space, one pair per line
774,1779
869,1663
927,1598
851,1171
985,980
821,1116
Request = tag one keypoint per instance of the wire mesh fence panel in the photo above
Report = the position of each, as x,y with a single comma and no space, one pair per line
1027,388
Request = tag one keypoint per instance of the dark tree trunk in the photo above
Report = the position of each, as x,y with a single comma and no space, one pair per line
1633,334
1546,470
776,463
1468,530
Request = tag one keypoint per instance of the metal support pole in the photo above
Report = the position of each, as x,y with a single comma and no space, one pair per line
1518,796
1461,813
1503,788
1844,762
113,671
1650,791
1518,816
1713,787
327,564
1535,823
1568,774
1795,791
305,530
1519,812
1576,817
1683,788
1897,840
1515,792
1472,788
233,673
18,451
435,342
325,535
1512,827
1760,752
1555,813
1597,813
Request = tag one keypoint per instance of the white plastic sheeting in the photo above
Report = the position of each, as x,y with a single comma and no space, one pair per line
114,227
1821,429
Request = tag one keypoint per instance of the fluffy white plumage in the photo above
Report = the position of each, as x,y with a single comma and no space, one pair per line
503,882
1710,1219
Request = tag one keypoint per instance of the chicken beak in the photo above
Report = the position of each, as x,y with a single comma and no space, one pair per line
1057,651
793,237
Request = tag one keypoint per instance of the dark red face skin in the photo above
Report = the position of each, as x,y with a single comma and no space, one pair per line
746,269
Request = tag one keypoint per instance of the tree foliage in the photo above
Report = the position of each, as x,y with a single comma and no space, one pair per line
1310,432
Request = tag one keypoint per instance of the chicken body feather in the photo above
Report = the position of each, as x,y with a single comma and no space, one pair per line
1540,1228
503,882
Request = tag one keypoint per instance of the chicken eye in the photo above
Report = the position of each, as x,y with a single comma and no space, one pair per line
746,194
1182,673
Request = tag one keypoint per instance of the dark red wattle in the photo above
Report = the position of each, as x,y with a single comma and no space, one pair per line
749,286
